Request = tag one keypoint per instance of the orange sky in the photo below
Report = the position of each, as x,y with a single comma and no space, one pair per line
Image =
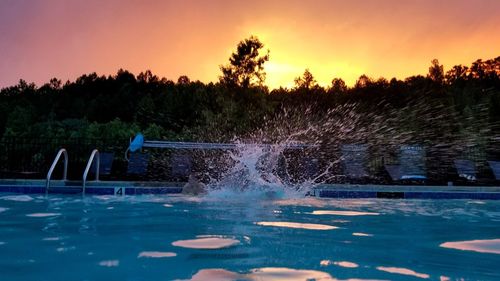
41,39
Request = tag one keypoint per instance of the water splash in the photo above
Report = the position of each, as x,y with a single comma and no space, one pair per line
288,156
381,128
253,168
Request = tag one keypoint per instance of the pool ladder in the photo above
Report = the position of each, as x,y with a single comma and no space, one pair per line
62,152
93,155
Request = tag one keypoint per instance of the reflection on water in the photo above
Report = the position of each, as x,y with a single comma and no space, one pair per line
206,243
254,234
105,197
267,273
325,202
340,221
51,238
3,209
404,271
343,213
65,249
312,226
362,234
154,254
19,198
281,273
339,263
42,215
481,246
476,202
325,262
215,275
109,263
307,201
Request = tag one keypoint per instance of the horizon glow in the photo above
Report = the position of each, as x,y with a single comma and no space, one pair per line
333,39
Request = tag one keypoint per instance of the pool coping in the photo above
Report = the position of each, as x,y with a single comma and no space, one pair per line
92,187
407,192
322,190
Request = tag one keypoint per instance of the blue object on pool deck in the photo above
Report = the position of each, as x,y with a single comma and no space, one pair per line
137,143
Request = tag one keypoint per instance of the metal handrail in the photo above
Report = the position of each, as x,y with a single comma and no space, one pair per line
62,151
87,169
208,145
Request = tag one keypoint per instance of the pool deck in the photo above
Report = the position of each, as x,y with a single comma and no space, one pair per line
92,187
323,190
407,191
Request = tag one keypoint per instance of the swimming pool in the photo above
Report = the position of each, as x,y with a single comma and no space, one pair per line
158,237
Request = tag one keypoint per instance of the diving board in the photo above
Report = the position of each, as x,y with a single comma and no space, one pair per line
210,145
139,142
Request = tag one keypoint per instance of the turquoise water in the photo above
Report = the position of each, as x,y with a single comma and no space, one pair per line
250,238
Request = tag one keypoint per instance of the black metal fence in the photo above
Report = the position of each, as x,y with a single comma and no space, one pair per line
31,158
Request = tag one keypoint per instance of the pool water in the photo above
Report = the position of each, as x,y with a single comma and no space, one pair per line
246,238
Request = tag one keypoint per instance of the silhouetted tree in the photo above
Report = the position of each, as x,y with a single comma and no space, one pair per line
436,72
147,77
306,81
458,72
55,83
246,66
338,86
362,81
183,80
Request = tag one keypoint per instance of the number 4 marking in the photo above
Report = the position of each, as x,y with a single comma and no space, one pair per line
119,191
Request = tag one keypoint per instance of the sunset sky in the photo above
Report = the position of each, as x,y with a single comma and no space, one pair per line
41,39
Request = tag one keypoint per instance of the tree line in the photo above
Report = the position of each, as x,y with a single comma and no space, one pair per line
462,103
